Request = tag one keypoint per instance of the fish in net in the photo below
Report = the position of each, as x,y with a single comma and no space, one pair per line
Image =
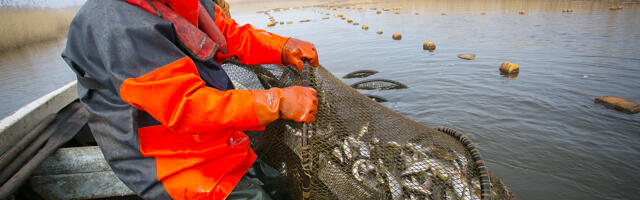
363,150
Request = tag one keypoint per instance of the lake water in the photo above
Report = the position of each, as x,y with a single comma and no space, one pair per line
541,132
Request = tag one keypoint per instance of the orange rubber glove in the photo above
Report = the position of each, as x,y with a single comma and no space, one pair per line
294,103
295,50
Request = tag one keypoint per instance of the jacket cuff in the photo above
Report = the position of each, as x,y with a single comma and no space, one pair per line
267,105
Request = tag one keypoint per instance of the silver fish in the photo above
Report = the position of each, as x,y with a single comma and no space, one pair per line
364,151
416,168
413,186
355,171
363,130
393,144
336,152
346,149
375,141
394,187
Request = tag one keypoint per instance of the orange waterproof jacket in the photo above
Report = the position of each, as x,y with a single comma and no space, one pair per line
162,109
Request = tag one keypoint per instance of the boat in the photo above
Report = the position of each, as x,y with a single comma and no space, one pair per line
77,170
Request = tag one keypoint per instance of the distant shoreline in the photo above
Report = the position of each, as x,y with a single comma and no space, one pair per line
27,26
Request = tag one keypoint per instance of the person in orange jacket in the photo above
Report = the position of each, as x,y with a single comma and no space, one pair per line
163,111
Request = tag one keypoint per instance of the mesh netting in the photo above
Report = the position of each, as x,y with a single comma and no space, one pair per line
363,150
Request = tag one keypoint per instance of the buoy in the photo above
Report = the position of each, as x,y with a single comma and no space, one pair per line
509,68
396,36
619,103
365,27
417,13
443,13
379,32
270,24
429,46
467,56
378,12
522,12
289,22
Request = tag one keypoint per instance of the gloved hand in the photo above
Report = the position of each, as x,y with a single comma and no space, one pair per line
294,103
295,50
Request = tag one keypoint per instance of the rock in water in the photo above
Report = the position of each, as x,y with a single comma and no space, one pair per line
360,74
365,27
619,103
270,24
429,46
522,12
396,36
509,68
289,22
467,56
349,20
378,12
380,84
379,32
417,13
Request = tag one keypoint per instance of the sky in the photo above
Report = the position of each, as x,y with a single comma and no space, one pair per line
41,3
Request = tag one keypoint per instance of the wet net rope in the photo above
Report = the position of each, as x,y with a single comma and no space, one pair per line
359,149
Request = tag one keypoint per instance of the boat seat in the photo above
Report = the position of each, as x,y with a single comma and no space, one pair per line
77,173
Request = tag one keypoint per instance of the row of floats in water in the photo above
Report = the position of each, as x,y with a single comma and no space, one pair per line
507,69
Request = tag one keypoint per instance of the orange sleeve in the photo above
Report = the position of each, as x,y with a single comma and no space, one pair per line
176,96
250,45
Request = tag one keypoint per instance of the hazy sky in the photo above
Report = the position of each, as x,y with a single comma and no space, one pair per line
42,3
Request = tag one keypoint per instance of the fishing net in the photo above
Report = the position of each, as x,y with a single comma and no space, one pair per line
359,149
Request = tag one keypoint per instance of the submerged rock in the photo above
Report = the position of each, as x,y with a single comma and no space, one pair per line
467,56
380,84
396,36
619,103
360,74
429,46
509,68
379,32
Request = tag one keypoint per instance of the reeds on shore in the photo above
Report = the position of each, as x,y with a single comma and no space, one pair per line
25,26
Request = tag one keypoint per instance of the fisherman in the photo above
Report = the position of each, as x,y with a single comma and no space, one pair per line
162,109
